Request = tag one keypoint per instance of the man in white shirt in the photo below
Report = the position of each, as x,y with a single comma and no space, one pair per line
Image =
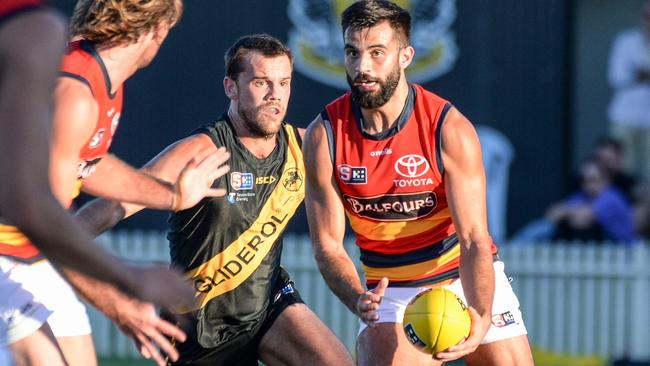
629,110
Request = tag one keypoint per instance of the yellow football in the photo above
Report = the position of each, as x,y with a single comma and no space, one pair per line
435,320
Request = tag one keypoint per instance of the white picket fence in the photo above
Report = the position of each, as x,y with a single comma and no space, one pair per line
578,299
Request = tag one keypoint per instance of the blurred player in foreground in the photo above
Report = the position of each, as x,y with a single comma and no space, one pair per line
405,166
31,42
231,247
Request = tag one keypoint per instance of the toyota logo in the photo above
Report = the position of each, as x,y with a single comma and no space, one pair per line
412,166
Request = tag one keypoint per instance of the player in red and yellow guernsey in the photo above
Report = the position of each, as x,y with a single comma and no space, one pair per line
88,102
405,167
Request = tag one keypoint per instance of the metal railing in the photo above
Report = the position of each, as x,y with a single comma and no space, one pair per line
577,298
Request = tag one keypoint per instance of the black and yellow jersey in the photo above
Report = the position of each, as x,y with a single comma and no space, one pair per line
231,246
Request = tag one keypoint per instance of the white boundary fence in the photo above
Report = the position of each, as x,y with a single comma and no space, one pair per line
577,299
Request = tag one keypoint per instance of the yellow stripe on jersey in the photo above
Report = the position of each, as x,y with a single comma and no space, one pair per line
227,270
412,271
391,230
10,235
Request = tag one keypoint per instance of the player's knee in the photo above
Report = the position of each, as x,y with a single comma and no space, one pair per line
334,354
38,348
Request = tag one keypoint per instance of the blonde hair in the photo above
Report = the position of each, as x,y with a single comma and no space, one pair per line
113,22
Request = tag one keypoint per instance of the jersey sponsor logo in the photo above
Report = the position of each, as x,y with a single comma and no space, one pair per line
412,167
236,263
353,174
502,320
292,179
240,181
97,138
87,167
393,207
265,180
385,151
115,121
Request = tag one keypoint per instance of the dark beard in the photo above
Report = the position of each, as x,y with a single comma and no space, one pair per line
369,100
249,116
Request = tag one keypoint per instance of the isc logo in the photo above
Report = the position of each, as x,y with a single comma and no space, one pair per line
265,180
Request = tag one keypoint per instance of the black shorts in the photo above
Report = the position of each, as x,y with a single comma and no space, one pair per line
242,350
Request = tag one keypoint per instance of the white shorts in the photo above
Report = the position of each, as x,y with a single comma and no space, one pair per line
507,321
20,314
40,280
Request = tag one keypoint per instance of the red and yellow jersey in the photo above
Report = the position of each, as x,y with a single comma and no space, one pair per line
10,8
392,186
83,63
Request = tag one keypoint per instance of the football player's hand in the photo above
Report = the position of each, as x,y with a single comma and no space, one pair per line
139,321
477,332
368,303
195,180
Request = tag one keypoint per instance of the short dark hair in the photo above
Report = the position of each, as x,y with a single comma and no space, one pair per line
267,45
368,13
611,142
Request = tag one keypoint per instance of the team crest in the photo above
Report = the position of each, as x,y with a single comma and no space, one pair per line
317,40
292,179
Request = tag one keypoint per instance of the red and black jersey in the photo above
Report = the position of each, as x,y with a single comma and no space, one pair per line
392,186
11,8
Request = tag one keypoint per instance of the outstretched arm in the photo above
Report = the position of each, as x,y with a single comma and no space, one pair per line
138,320
465,187
170,165
326,218
76,113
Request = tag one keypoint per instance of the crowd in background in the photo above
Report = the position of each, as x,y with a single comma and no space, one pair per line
608,203
611,201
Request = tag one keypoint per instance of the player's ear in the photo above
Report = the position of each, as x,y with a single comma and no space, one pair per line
406,56
160,32
230,88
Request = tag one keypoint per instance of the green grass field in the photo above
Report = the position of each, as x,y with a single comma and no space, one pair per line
136,362
124,362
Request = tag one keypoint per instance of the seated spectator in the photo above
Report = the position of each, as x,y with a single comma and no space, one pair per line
609,152
597,211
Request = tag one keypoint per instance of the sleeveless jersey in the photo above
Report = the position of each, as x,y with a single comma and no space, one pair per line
83,63
231,246
392,186
11,8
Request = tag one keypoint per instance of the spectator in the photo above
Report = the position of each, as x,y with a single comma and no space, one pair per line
629,110
597,211
609,152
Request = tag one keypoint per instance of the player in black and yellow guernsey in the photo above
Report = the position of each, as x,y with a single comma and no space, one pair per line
230,246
